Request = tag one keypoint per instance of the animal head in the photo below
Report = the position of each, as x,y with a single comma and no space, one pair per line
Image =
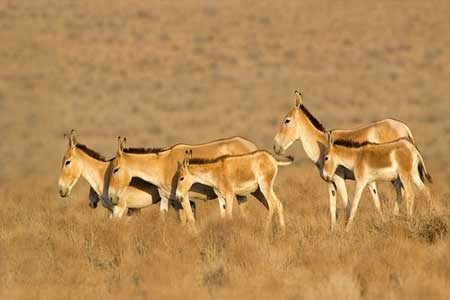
329,160
120,176
289,131
184,179
71,166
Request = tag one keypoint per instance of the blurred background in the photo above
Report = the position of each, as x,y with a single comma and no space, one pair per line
163,72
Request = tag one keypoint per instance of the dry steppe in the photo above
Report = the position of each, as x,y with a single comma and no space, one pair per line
163,72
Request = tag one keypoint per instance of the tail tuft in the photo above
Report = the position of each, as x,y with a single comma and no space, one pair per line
423,172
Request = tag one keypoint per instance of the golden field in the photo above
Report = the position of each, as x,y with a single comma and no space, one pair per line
161,72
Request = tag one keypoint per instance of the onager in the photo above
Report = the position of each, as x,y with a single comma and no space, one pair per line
300,125
233,175
81,161
398,160
159,166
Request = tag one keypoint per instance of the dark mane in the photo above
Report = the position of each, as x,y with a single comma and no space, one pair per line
352,144
91,153
204,161
143,150
316,123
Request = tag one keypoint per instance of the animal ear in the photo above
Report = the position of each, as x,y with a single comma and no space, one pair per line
330,138
120,146
72,139
298,99
187,157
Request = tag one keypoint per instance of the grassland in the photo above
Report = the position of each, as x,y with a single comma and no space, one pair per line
161,73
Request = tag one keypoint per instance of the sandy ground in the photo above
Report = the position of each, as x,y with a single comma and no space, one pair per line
162,73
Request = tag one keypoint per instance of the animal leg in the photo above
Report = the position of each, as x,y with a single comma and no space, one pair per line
118,211
242,201
229,199
271,206
180,211
342,189
279,208
164,205
332,199
376,200
185,203
399,191
93,198
358,191
423,188
222,206
133,211
193,208
406,180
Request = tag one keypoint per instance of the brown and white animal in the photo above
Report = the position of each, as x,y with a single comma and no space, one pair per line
399,160
81,161
233,175
300,124
160,166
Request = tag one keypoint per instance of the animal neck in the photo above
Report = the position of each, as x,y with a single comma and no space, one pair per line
203,173
149,167
93,171
311,138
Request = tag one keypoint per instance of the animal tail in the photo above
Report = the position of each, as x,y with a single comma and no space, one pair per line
285,162
423,169
410,136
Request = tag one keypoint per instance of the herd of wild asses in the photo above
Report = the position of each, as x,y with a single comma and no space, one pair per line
230,169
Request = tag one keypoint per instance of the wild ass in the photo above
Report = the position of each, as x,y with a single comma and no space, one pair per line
232,175
81,161
300,124
160,167
399,160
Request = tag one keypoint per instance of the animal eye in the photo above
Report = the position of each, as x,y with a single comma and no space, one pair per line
326,157
287,121
181,178
116,170
67,162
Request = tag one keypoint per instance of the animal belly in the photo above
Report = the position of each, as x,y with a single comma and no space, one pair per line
201,192
246,188
384,174
138,199
139,203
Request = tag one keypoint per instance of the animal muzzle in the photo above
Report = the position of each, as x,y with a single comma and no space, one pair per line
278,149
114,199
92,205
63,191
329,179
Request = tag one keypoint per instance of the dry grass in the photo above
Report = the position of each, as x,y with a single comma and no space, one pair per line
161,73
70,251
